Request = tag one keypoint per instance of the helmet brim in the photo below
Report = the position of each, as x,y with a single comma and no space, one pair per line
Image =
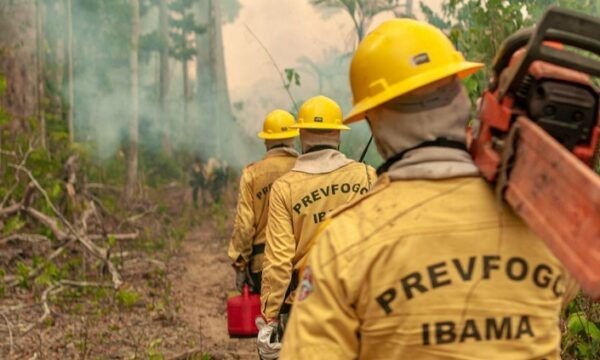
462,70
279,136
320,126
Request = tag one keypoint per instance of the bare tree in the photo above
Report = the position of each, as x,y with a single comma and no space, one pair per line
40,45
70,121
211,84
362,12
164,74
132,153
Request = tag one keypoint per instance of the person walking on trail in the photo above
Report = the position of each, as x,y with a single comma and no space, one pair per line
321,180
429,265
246,247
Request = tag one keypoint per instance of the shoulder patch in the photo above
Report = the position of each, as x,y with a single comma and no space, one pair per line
306,284
382,183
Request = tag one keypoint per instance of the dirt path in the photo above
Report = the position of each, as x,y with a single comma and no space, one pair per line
205,281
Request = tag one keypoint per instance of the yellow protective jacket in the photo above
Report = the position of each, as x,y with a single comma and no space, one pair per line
252,207
300,200
428,269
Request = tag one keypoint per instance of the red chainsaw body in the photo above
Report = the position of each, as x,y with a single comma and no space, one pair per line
242,311
497,114
559,198
538,134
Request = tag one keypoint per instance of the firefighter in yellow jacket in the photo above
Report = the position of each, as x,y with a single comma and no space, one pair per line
246,247
429,265
321,180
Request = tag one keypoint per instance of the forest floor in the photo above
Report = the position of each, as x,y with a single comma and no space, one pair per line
204,281
172,306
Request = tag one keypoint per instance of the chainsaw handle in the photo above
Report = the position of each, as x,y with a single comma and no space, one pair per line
508,47
565,26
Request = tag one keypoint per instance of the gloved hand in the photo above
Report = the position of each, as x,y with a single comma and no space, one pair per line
240,279
266,349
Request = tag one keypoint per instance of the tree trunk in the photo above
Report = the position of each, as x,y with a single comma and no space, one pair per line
212,92
70,85
40,45
164,118
132,153
186,92
409,7
18,58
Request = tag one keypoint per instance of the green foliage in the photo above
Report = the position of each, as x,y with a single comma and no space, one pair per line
230,10
2,85
583,336
111,240
2,288
159,167
152,353
3,115
127,298
154,245
477,28
22,274
50,274
13,225
362,12
291,77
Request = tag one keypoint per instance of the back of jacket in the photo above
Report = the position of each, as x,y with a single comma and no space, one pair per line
300,202
253,204
428,270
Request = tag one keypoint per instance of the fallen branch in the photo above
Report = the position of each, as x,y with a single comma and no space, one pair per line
186,354
10,334
9,309
103,187
49,223
15,208
97,251
10,210
142,263
84,284
99,203
13,281
32,238
126,236
56,288
136,217
8,194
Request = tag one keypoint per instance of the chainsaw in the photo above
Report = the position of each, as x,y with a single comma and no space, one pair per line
537,141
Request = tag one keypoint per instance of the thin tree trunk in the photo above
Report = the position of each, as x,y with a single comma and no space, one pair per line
409,7
186,82
40,71
70,121
164,75
186,93
132,154
204,80
212,92
223,112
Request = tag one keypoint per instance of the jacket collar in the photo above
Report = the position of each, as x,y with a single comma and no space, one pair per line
281,151
321,162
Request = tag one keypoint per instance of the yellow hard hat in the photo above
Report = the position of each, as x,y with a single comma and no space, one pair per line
278,125
320,113
399,56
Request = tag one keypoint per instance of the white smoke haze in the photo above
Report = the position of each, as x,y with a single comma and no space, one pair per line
316,42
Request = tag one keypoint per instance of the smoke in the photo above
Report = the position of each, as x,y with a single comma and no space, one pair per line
102,81
220,122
